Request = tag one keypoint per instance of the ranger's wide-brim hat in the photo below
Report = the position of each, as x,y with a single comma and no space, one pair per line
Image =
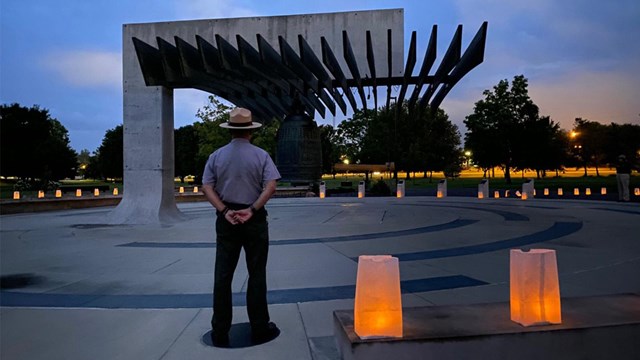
240,118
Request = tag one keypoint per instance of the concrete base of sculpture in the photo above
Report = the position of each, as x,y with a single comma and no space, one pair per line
142,210
602,327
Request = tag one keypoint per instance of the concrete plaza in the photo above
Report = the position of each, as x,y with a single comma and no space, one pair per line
92,290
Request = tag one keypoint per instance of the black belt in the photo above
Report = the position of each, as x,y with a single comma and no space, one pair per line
235,206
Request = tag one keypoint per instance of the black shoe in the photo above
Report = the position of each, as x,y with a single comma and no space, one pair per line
265,335
220,340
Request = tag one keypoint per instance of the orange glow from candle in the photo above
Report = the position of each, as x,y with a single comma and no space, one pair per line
534,288
378,303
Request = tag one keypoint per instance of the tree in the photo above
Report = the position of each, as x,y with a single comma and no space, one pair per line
351,133
557,153
92,171
210,136
330,153
209,133
186,151
623,140
421,141
84,158
589,143
34,146
266,137
541,146
440,144
110,154
495,128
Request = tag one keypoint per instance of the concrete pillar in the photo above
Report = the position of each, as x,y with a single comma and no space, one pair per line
148,194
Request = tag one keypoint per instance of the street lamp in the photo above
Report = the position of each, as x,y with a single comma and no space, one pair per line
577,149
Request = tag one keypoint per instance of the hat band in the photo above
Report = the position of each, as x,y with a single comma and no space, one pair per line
240,124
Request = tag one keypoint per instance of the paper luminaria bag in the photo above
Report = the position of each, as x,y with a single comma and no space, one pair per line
378,303
361,190
534,288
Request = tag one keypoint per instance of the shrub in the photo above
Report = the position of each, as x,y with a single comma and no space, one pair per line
380,188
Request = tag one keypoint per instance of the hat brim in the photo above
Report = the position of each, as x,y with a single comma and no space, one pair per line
254,125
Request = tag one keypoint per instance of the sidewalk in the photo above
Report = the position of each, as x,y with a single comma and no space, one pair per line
98,291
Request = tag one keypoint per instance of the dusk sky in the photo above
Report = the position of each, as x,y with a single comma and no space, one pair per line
582,57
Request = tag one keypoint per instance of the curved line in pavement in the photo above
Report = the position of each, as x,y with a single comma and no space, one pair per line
507,215
421,230
184,301
618,210
556,231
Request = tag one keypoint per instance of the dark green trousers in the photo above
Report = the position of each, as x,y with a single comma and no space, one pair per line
253,237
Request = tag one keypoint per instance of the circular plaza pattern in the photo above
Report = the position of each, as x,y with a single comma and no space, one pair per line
451,251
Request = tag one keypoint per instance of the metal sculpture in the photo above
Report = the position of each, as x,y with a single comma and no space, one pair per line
268,81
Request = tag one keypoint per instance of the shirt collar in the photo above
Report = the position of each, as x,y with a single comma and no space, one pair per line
239,140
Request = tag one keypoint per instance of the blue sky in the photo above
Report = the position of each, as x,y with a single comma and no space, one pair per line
582,57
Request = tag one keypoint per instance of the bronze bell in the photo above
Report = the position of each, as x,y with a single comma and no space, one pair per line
299,152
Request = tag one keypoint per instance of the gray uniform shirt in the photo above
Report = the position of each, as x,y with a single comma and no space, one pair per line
238,171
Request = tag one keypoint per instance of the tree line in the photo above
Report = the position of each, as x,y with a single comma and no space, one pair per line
415,141
192,144
34,146
505,130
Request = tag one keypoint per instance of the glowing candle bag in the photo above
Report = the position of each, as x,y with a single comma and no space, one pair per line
360,189
378,304
483,189
534,288
442,188
400,189
528,190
